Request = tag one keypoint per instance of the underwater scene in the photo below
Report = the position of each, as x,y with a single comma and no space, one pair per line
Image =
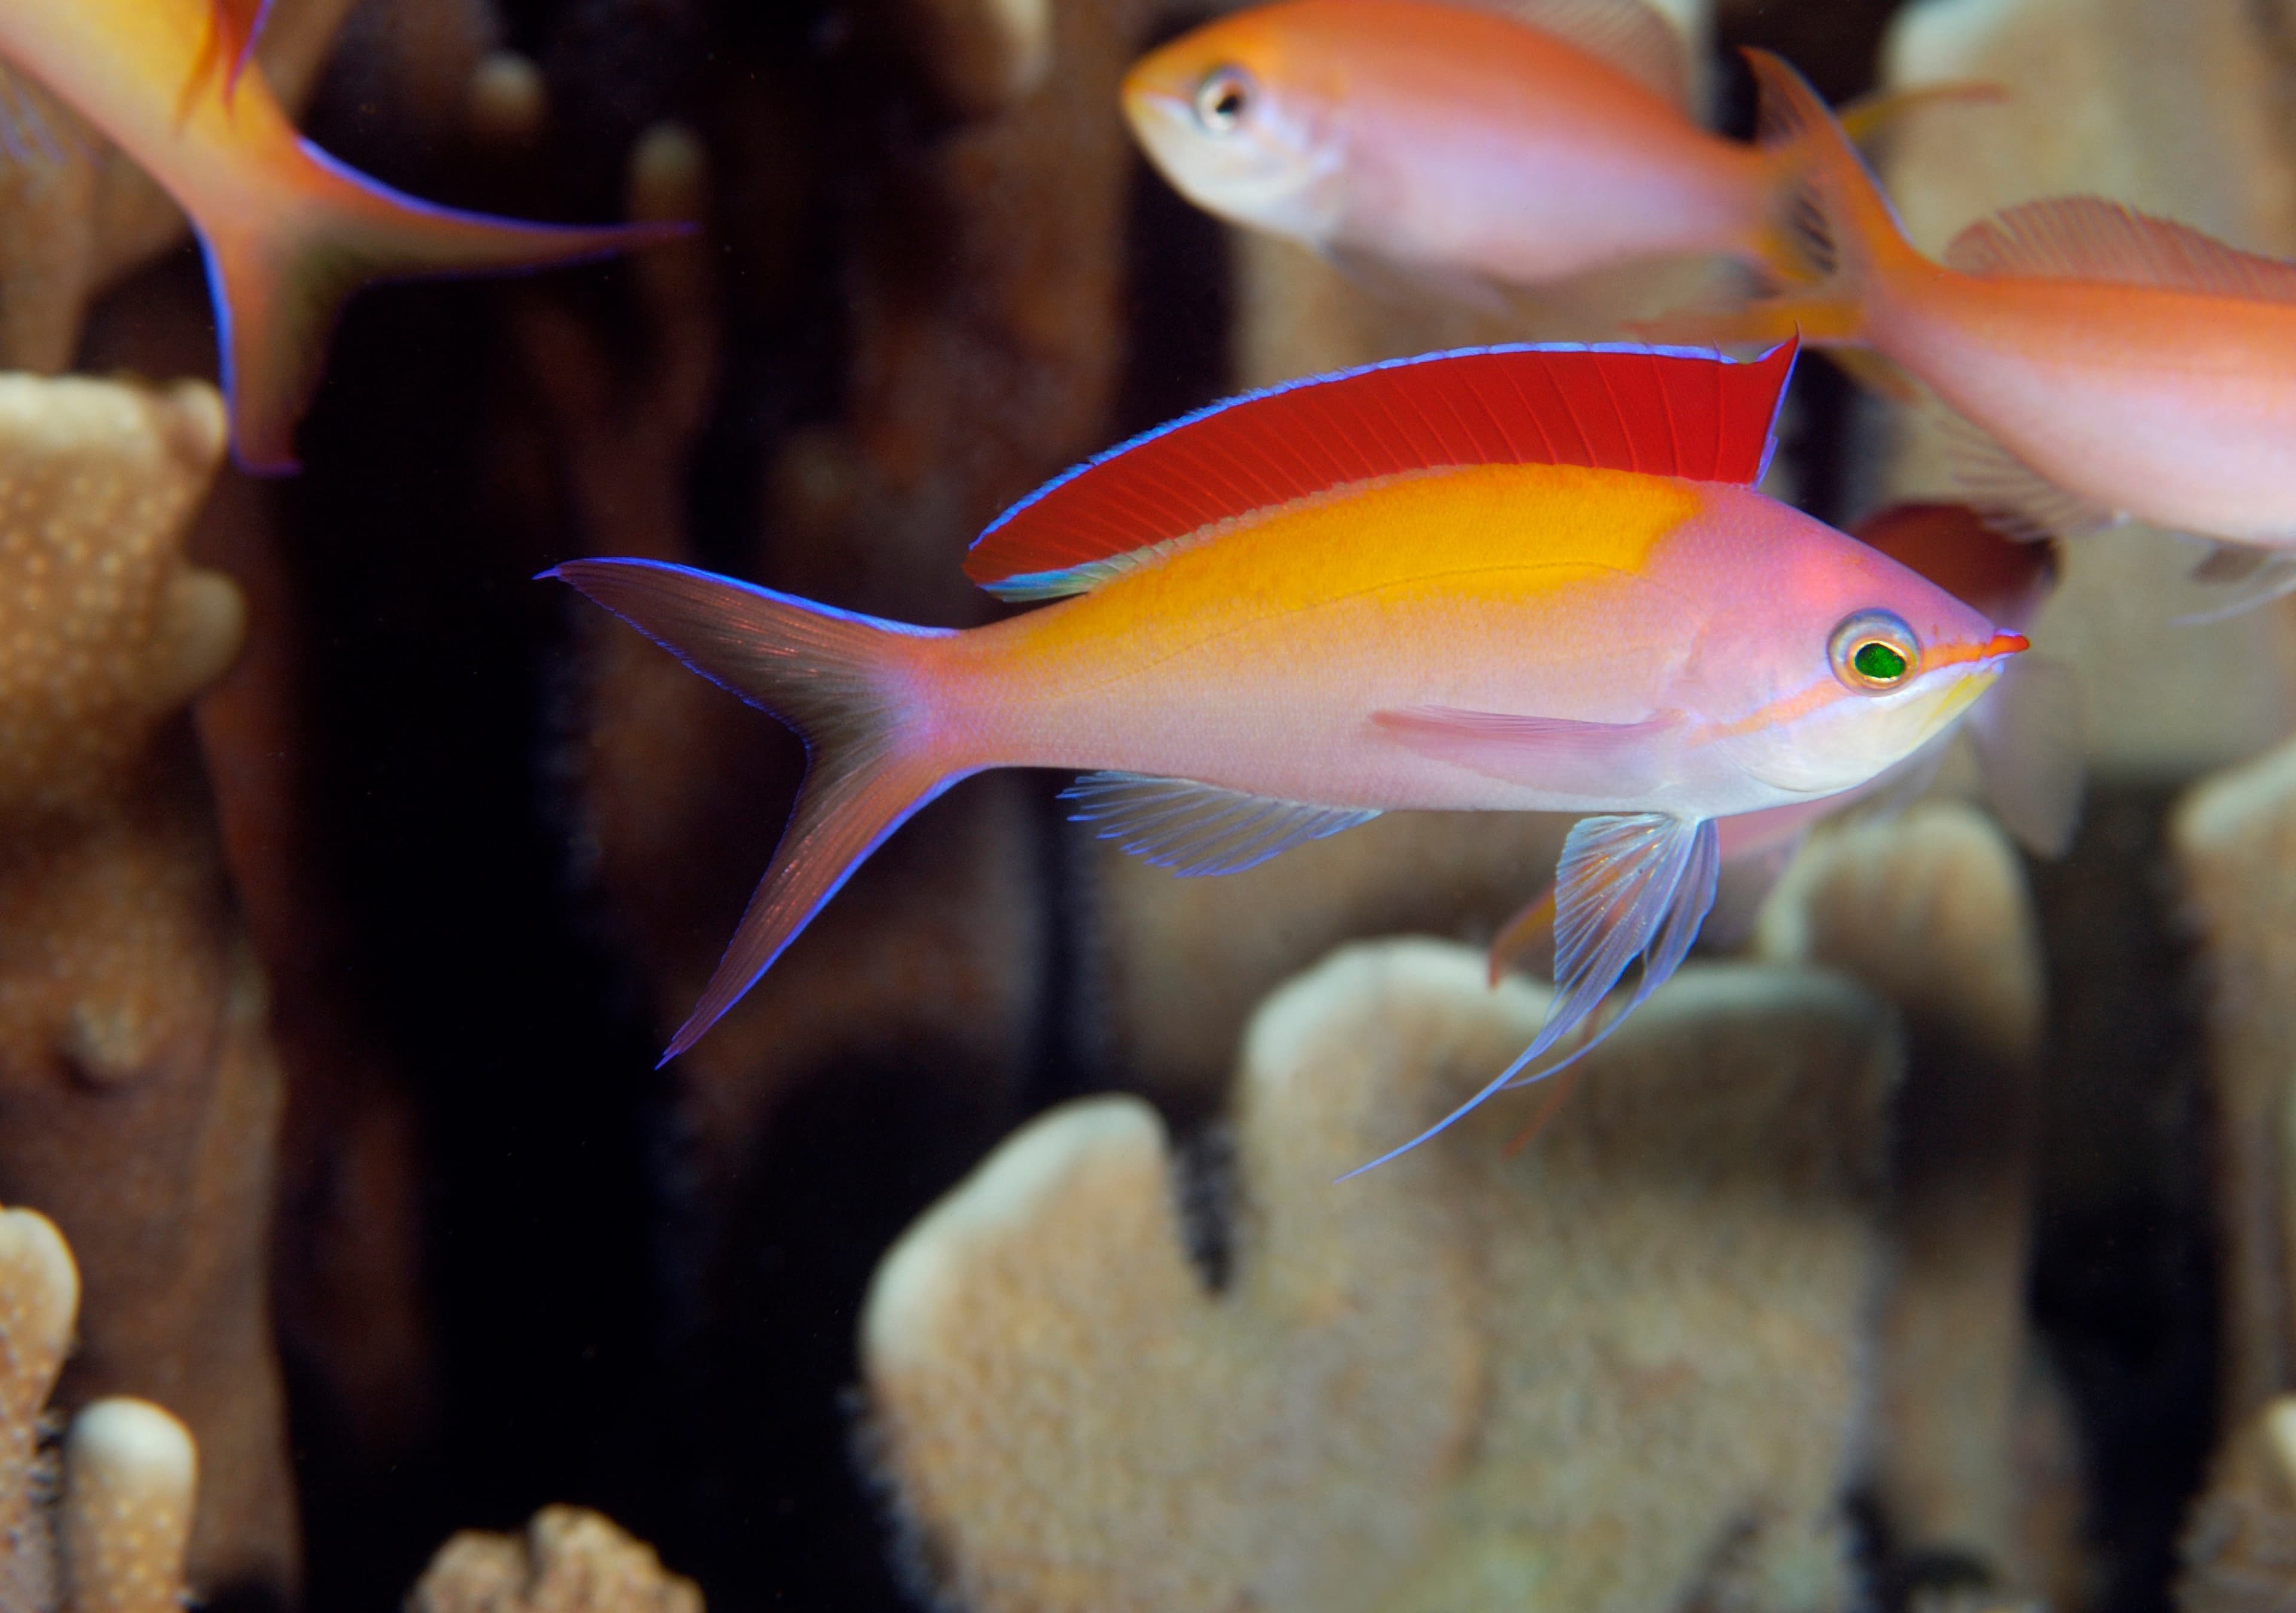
1145,807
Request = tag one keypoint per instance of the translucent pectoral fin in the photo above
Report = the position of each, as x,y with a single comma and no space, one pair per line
2027,732
1631,886
1199,829
1557,753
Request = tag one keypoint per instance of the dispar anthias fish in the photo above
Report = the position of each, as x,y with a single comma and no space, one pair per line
1467,143
1508,579
288,231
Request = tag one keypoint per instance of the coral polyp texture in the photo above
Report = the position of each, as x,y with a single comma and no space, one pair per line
569,1561
138,1092
107,1533
1438,1384
105,633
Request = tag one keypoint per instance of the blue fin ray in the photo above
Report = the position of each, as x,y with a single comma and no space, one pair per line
1200,829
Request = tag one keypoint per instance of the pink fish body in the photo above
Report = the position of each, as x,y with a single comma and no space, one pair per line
1524,146
288,231
2130,366
1508,579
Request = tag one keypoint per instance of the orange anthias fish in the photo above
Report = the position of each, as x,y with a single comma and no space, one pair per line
2026,730
1516,578
1521,146
288,232
2126,367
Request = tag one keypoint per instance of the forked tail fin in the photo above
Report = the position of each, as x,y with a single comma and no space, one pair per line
1834,239
843,682
281,265
1786,244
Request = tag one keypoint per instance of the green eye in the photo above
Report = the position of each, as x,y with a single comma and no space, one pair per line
1876,661
1873,651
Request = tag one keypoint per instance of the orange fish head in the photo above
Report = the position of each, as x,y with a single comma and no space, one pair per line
1239,116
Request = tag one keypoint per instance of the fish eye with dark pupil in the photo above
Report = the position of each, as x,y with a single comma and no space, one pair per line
1873,651
1222,99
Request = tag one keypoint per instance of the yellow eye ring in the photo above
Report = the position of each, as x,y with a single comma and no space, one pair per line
1222,99
1875,651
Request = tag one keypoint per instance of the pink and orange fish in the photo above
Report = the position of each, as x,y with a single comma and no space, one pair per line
1505,579
289,233
2120,366
2025,730
1464,141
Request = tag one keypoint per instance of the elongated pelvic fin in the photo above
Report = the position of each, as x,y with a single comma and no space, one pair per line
1197,830
279,273
1632,886
1658,411
840,680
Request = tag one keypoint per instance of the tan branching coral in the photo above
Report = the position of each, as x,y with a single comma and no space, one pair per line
1931,911
2236,844
1622,1370
138,1092
39,1296
110,1536
124,1518
569,1561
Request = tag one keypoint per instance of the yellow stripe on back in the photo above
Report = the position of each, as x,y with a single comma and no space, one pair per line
1481,531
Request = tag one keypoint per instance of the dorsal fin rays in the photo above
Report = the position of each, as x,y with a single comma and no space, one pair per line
1660,411
1639,884
1628,35
2089,238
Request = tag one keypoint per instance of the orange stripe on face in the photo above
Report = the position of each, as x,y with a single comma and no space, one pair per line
1793,708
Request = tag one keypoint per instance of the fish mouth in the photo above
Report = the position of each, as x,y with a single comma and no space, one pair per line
2001,646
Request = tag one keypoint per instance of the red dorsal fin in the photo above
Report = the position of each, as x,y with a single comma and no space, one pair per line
1663,412
2089,238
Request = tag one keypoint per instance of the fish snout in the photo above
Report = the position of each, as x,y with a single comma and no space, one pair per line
2000,646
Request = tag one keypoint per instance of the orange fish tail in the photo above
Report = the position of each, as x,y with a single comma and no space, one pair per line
850,685
283,263
1829,238
1844,233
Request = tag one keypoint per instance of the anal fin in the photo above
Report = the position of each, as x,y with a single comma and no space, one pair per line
1198,829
